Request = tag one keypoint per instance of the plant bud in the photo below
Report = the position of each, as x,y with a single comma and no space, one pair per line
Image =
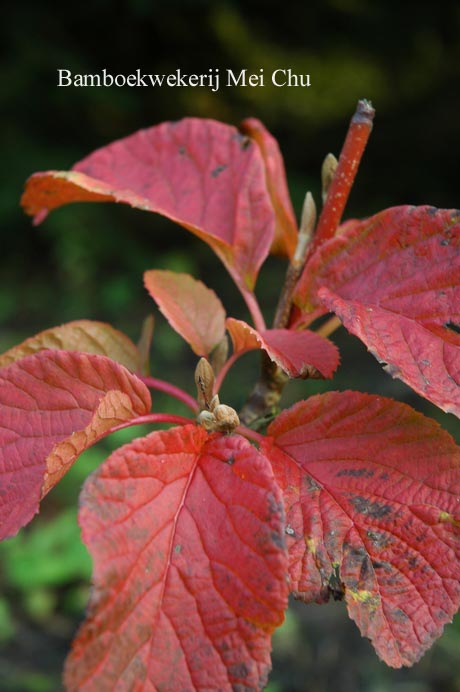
307,227
204,380
207,420
226,418
328,170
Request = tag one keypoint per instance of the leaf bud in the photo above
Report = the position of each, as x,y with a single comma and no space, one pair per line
207,420
307,227
204,380
328,170
226,418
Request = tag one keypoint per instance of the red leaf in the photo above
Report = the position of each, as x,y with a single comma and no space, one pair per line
372,502
193,310
82,335
394,282
53,405
186,532
200,173
285,240
299,354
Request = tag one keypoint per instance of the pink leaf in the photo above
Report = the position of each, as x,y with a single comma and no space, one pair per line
372,497
299,354
82,335
285,240
53,405
394,281
193,310
200,173
185,530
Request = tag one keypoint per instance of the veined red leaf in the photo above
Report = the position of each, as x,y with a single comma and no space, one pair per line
372,497
186,533
192,309
394,281
53,405
285,240
299,354
200,173
81,335
425,356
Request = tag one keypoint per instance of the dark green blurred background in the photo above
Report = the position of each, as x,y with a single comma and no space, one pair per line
87,261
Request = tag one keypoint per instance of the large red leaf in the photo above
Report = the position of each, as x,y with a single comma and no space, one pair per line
285,239
372,496
80,335
394,281
200,173
299,354
53,405
186,533
193,310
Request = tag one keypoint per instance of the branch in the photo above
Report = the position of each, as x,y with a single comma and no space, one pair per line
268,389
266,393
153,418
307,226
172,390
254,308
350,157
225,368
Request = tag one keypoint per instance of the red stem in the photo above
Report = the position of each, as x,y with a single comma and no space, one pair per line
254,309
250,434
225,368
153,418
172,390
350,157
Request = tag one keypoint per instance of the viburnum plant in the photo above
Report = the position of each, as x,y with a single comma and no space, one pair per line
198,533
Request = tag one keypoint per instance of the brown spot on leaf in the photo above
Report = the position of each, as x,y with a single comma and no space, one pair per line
356,473
382,565
400,615
311,484
218,170
365,568
379,539
278,539
376,510
239,670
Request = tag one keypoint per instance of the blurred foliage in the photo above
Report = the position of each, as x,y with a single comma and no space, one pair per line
87,261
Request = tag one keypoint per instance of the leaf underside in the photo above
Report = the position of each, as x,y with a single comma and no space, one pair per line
300,354
186,533
372,492
54,405
192,309
199,173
